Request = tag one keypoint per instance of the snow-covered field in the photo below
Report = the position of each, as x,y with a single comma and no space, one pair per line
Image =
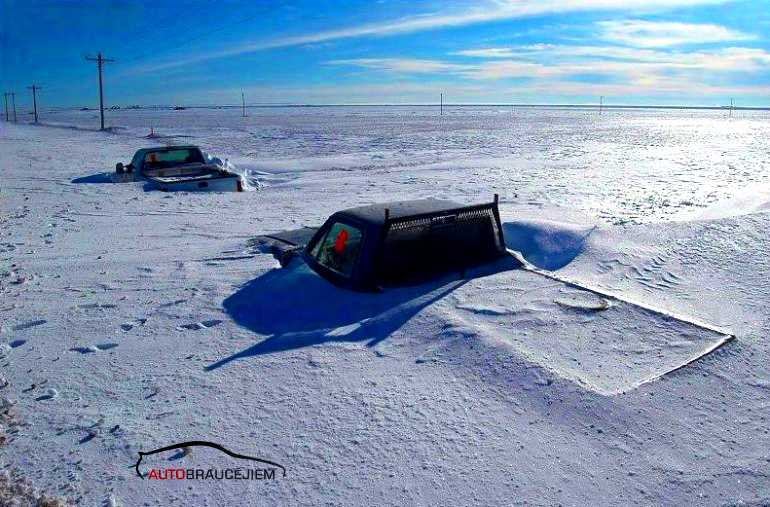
132,319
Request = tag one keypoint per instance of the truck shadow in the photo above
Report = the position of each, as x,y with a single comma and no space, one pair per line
95,178
296,308
105,177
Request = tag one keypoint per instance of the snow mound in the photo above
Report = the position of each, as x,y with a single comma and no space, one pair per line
546,244
250,180
750,200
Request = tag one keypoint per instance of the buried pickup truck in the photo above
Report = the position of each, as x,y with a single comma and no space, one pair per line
379,245
385,245
181,168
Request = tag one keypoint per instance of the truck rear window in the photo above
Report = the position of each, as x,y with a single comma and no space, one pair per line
169,158
338,249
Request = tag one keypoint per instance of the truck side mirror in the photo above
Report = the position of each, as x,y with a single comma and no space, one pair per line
130,168
119,168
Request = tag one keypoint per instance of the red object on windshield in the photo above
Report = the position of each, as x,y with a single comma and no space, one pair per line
339,243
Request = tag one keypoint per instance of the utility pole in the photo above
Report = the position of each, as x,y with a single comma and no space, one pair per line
34,89
13,101
100,61
5,97
601,104
442,105
732,104
243,104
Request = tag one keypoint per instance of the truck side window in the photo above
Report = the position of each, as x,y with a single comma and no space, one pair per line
339,249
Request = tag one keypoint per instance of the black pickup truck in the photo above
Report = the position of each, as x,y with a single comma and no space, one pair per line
392,243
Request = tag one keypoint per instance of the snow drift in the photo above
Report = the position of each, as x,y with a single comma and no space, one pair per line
755,199
546,244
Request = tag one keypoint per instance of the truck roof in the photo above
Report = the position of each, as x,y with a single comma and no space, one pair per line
169,148
374,214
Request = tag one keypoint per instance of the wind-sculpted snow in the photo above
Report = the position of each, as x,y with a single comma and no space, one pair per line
608,347
131,320
754,199
548,245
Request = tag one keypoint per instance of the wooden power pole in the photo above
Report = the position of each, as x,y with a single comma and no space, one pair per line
100,61
34,89
243,104
442,105
13,103
5,98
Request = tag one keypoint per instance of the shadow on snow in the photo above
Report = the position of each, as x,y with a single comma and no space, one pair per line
296,308
112,177
105,177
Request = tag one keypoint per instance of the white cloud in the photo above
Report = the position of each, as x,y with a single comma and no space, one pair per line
681,88
556,60
651,34
554,68
488,53
612,57
401,65
495,11
539,51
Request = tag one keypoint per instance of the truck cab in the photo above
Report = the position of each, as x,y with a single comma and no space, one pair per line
395,243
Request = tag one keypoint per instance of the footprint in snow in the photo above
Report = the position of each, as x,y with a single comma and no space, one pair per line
97,306
94,348
200,325
27,325
90,435
49,394
173,303
128,326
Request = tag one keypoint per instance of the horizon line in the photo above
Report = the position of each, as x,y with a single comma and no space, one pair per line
130,107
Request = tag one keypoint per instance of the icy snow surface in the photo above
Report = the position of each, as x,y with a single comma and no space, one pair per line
132,319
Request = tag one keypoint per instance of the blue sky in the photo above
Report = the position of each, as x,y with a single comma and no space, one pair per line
688,52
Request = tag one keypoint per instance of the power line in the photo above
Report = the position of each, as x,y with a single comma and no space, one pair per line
34,89
100,61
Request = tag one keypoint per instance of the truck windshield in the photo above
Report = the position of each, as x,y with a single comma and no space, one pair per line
170,158
338,249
